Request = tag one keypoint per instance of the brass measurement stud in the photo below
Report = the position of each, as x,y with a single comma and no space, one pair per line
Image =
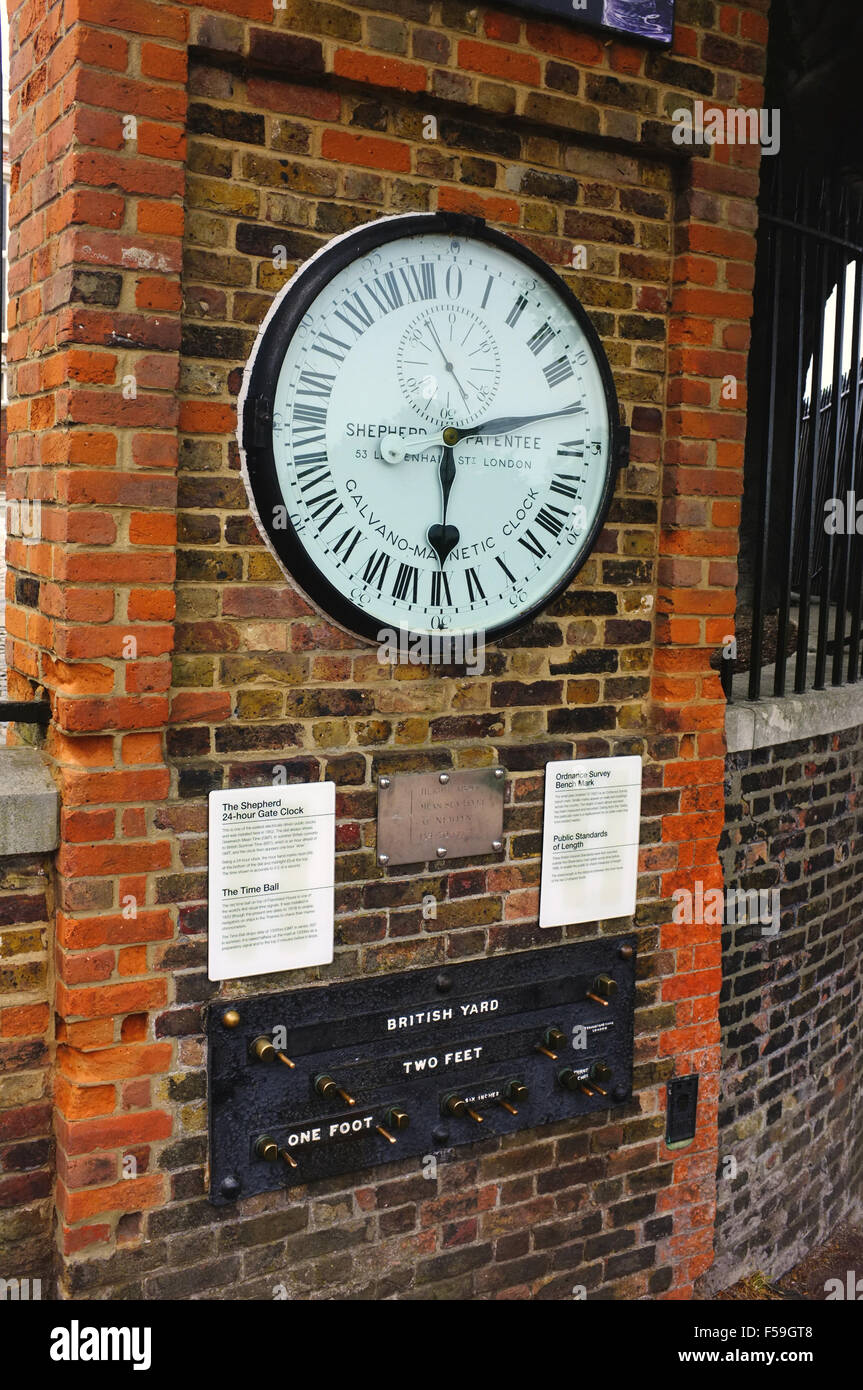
458,1106
263,1050
327,1087
602,990
552,1042
600,1071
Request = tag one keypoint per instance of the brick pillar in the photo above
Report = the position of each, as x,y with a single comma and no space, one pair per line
711,306
97,128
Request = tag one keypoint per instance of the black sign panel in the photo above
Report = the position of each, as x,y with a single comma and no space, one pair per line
652,20
338,1078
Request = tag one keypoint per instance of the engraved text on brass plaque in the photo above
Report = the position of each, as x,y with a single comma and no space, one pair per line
440,815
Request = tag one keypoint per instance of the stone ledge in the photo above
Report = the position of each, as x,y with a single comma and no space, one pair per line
29,804
763,723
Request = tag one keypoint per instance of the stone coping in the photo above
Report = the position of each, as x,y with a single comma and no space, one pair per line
752,724
29,803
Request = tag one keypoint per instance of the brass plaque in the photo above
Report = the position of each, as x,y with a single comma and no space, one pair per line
440,815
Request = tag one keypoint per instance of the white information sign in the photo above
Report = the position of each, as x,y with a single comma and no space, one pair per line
590,840
272,869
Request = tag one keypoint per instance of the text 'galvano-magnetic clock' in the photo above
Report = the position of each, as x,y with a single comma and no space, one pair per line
429,429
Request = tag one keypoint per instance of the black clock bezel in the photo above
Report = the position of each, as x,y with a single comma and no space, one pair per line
255,435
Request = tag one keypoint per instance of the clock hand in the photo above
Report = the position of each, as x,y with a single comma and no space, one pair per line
443,538
396,451
447,362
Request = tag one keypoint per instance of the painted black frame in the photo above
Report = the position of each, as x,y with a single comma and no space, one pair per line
255,434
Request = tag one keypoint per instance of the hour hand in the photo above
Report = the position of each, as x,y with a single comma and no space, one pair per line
443,538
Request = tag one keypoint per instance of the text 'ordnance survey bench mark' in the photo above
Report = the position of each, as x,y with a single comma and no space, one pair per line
272,870
590,840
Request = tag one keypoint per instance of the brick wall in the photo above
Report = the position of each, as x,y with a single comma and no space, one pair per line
292,125
26,1143
792,1078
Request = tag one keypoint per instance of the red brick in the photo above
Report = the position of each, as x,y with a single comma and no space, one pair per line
91,1136
23,1021
167,64
492,206
369,151
134,1194
104,1000
381,72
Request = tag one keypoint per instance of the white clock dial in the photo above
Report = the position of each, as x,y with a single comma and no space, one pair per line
429,331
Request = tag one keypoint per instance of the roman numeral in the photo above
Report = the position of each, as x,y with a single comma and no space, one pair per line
419,281
347,541
407,579
516,311
440,581
337,342
318,477
474,588
551,524
376,568
571,449
308,465
507,571
558,371
531,543
308,416
324,498
307,424
316,384
362,317
562,484
540,339
331,516
487,292
385,292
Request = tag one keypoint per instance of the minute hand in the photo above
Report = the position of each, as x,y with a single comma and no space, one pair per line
397,450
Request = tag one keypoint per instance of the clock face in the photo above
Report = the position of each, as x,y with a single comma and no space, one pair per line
429,429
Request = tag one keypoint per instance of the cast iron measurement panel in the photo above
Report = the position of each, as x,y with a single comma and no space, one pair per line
342,1077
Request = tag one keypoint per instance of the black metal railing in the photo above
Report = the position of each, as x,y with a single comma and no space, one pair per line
25,712
801,559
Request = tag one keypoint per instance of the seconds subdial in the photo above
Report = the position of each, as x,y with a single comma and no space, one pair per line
448,365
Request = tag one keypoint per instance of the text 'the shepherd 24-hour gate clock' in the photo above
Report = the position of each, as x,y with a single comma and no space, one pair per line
429,429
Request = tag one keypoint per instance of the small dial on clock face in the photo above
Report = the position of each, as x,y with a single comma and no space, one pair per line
361,367
448,365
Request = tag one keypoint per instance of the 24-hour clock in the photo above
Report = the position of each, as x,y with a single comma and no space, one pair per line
429,429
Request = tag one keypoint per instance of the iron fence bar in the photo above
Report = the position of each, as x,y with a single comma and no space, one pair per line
833,444
726,678
775,240
783,617
854,419
846,463
821,281
845,483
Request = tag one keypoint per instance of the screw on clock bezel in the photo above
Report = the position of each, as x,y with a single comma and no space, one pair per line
255,411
